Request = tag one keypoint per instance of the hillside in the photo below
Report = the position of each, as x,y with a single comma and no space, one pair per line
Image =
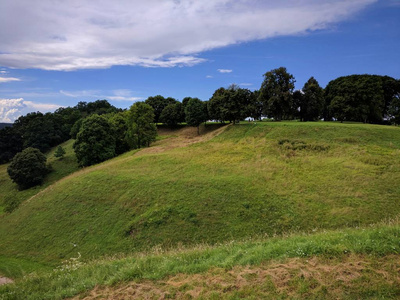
236,183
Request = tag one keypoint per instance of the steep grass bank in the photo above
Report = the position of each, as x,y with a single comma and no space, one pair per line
253,180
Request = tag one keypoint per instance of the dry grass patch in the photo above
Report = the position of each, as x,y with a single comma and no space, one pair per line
353,276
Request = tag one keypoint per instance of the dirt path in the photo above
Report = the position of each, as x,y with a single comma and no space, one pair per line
174,139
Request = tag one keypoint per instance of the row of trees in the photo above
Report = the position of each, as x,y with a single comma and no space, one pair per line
362,98
102,131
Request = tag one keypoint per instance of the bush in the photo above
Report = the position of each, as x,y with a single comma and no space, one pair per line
28,168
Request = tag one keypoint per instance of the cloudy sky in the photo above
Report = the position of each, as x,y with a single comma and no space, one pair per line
55,53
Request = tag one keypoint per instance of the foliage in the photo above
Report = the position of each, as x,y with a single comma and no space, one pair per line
173,114
10,144
28,168
194,112
120,123
60,152
312,101
255,107
141,129
158,103
230,104
95,141
76,128
276,94
362,98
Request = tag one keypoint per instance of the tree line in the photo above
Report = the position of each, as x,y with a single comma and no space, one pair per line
102,131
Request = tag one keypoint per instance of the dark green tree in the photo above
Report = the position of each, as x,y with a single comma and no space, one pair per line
10,144
194,113
120,123
215,105
158,103
95,141
59,153
255,107
232,104
364,98
173,114
276,94
141,128
28,168
312,101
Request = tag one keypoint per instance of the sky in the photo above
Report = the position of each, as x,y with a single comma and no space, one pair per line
55,53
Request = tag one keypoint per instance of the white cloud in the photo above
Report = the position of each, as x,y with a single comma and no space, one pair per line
79,34
225,71
209,76
11,109
8,79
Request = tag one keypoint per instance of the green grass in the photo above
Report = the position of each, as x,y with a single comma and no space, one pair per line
252,181
373,245
10,195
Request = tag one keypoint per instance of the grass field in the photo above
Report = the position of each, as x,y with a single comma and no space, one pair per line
243,182
342,264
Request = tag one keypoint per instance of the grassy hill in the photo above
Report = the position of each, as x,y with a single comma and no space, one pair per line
248,181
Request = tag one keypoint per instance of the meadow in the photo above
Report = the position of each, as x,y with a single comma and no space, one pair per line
252,194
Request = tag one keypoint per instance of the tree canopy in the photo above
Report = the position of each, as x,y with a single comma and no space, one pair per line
276,94
95,141
28,168
194,112
141,129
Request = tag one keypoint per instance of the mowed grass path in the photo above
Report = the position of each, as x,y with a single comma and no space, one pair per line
253,180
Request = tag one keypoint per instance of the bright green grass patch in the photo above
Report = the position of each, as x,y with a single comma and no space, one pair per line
251,181
76,277
11,197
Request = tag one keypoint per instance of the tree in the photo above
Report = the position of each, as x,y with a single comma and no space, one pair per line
158,103
312,101
120,123
195,113
255,107
364,98
173,114
95,141
60,152
10,144
216,104
141,129
28,168
276,94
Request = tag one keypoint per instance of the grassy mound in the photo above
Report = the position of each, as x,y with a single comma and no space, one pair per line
253,180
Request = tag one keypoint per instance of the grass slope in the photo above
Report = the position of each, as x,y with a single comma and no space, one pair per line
352,263
253,180
10,195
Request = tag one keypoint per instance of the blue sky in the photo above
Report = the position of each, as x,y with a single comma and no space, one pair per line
56,54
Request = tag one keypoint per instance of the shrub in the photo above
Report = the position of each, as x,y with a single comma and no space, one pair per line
28,168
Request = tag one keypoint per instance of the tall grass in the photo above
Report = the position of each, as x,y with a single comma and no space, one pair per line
75,277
